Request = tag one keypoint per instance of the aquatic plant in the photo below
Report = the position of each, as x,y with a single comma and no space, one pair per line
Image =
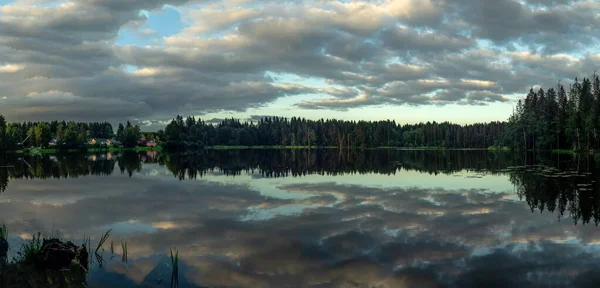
87,243
175,266
31,249
124,250
3,232
103,239
41,263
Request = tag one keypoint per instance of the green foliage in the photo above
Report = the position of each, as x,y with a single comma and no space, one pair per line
557,120
299,132
3,232
498,148
24,271
30,250
130,135
3,133
16,136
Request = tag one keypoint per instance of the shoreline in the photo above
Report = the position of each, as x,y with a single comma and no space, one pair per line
41,151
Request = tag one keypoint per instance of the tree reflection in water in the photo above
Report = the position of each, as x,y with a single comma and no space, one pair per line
443,227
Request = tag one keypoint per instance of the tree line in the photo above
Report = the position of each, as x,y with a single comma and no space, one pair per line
280,131
259,162
557,118
190,133
14,136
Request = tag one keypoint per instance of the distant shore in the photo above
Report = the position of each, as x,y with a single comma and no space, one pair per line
92,150
36,151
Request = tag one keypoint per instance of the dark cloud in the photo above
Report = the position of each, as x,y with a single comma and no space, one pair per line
405,39
341,235
58,61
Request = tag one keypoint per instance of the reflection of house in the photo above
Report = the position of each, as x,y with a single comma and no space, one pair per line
100,141
97,157
151,143
151,154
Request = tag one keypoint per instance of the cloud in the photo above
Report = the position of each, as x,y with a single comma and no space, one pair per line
341,235
372,53
10,68
405,39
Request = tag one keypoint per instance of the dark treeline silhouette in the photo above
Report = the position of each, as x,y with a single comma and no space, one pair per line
279,131
557,119
574,193
261,163
69,165
295,163
190,133
563,184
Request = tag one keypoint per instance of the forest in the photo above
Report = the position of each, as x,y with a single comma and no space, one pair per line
555,119
14,136
279,131
190,133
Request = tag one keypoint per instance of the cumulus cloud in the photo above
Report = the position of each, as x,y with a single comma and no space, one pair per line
344,234
407,52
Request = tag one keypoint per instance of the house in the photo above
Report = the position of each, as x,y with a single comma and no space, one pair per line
142,141
100,141
52,142
151,143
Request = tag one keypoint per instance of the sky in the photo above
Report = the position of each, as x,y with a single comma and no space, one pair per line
463,61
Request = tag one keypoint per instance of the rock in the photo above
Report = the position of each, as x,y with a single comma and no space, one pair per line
56,255
82,256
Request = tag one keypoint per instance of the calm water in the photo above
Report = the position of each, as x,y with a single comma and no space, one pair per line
318,218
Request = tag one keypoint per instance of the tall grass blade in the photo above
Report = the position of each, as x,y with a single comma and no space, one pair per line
175,266
3,232
103,239
124,250
99,257
31,249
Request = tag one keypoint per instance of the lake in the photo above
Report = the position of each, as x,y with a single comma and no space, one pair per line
317,218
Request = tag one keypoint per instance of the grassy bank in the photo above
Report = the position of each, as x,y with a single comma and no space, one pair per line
36,151
411,148
119,149
496,148
566,151
223,147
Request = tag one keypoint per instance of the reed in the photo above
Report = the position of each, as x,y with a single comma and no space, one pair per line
103,240
175,266
3,232
124,250
99,256
31,249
